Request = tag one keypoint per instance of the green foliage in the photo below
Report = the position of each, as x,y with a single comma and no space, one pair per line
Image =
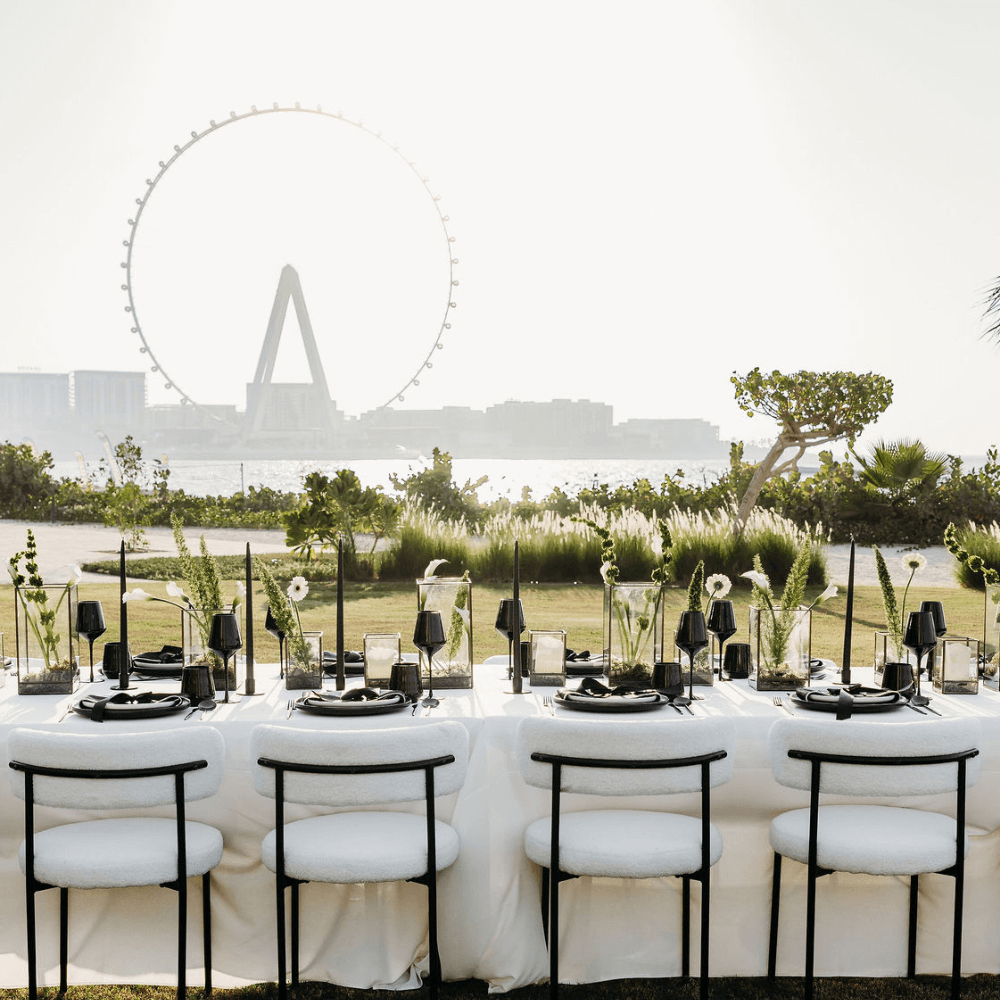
893,621
134,486
978,553
779,623
283,612
434,489
26,487
695,586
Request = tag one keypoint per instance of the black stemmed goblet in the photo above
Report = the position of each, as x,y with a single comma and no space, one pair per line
722,624
90,625
920,637
428,637
510,623
224,640
692,637
936,608
270,625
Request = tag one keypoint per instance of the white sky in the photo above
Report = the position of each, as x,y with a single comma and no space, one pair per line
645,197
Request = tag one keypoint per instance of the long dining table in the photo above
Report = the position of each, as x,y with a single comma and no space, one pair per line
489,904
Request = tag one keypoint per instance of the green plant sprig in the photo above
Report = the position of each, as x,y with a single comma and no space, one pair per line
893,621
695,587
285,615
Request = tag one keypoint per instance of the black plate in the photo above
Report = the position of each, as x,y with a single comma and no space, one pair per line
585,668
347,709
355,669
829,702
613,704
160,705
156,668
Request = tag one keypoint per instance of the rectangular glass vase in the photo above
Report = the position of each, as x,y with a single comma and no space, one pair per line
793,670
452,597
956,666
47,658
633,629
546,657
306,674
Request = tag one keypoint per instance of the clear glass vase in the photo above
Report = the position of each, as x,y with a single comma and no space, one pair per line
452,597
780,669
305,670
46,652
633,631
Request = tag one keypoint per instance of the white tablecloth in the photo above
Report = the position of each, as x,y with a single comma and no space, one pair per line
490,925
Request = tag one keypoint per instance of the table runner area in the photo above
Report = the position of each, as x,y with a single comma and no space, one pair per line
489,903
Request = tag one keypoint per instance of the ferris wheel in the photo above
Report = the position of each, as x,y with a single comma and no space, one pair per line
446,281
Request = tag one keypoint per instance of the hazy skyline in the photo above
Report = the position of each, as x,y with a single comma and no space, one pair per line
644,197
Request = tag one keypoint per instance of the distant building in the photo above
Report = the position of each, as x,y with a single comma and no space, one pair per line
680,438
112,402
33,405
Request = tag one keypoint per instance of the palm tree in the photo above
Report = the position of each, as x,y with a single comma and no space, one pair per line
993,312
895,465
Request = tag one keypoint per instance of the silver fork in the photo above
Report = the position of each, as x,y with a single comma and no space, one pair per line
780,702
547,702
291,705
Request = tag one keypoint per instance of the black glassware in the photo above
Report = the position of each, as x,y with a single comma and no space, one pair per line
920,637
224,639
936,608
197,683
510,623
428,637
270,625
692,637
90,625
736,662
722,624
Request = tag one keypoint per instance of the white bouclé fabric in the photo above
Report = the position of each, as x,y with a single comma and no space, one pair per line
118,751
623,843
360,847
114,853
922,737
874,840
627,741
376,746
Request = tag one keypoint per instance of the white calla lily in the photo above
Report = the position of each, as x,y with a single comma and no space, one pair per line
136,595
432,567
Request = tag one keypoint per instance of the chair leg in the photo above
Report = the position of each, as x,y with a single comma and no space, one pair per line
685,926
295,934
911,938
206,924
181,938
29,900
810,931
63,936
705,885
432,935
545,905
772,939
956,960
554,936
279,910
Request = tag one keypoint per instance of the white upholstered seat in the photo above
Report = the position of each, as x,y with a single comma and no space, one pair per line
355,771
117,771
599,758
868,759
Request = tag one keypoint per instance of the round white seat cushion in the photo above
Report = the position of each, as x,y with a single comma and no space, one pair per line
872,840
623,843
114,853
360,847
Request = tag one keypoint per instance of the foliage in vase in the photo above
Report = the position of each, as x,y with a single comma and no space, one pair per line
285,611
895,618
40,616
694,587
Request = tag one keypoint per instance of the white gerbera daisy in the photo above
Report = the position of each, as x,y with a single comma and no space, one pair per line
718,585
298,588
913,561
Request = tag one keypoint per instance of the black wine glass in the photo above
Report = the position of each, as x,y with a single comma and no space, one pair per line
90,625
510,623
270,625
722,624
936,608
224,639
920,638
428,637
692,637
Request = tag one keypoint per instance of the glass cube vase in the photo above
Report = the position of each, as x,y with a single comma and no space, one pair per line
305,673
956,667
546,657
886,653
792,670
452,597
382,651
633,631
47,657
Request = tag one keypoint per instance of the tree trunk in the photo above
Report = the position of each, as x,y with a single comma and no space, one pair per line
761,475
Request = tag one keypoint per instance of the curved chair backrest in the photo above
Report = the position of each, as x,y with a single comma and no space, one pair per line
625,741
117,752
920,738
363,748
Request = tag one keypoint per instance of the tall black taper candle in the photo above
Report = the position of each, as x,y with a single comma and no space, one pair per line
124,654
341,676
845,667
517,679
251,684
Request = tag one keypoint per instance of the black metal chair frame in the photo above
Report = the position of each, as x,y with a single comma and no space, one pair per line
179,885
550,882
283,881
956,871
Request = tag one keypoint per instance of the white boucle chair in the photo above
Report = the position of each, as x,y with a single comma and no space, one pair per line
615,758
358,770
872,760
117,771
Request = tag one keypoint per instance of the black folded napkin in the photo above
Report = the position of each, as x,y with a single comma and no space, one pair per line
168,654
590,689
350,656
571,655
99,706
844,697
369,694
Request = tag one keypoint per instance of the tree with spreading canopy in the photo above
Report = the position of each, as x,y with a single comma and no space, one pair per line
811,408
